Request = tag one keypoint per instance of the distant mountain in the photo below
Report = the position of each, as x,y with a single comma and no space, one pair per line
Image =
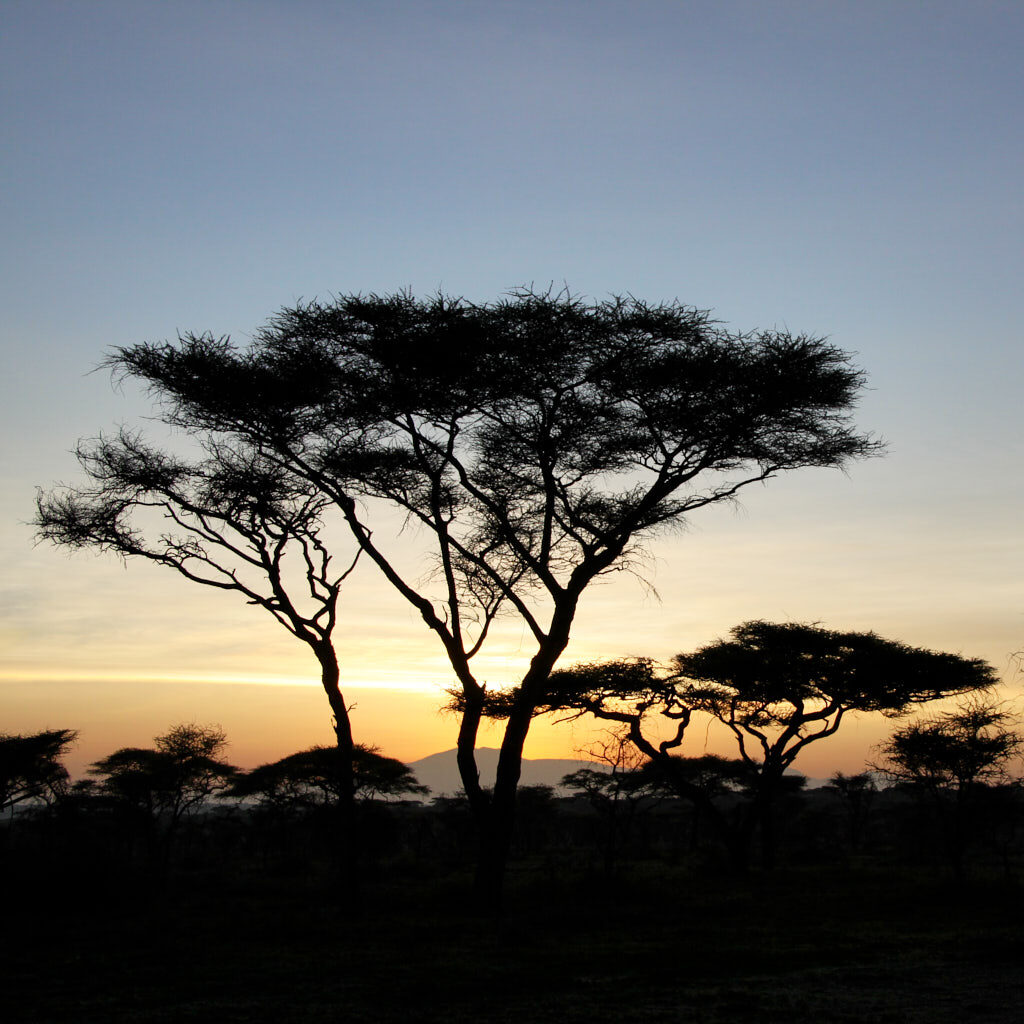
441,772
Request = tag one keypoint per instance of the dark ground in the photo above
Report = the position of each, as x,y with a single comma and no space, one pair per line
806,945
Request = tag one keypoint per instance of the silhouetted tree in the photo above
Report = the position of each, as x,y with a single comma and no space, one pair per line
780,687
618,791
160,785
314,778
233,520
540,439
31,768
777,687
313,786
857,793
629,693
953,760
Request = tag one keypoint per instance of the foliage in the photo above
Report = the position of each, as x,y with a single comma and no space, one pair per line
232,519
785,685
955,761
710,774
537,436
777,687
956,750
171,779
229,520
30,766
314,777
853,788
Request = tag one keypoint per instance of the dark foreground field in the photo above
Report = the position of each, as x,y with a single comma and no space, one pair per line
807,945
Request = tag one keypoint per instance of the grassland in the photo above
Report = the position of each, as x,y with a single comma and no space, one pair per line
654,944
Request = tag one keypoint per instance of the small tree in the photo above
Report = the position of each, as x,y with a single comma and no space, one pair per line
954,751
857,793
173,779
31,768
314,778
540,440
232,520
618,791
312,785
953,760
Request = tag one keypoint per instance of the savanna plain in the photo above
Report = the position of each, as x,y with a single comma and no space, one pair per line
244,919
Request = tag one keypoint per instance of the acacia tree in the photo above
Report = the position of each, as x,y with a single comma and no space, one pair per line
953,759
781,686
162,784
778,687
31,768
315,778
231,520
540,440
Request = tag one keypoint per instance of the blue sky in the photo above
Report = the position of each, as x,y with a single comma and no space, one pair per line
849,169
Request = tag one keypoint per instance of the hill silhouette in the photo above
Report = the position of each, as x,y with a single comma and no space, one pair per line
441,772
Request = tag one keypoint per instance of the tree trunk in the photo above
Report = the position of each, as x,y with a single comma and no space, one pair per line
479,800
469,727
499,817
496,840
330,677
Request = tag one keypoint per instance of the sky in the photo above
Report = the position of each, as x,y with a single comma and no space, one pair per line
846,169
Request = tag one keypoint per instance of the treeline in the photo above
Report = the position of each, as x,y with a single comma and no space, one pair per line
939,795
